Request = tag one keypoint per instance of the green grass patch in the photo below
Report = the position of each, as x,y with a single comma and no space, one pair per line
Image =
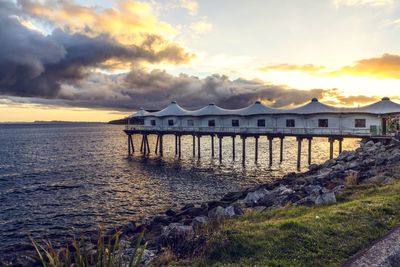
305,236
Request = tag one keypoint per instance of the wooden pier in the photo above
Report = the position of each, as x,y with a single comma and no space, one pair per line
224,134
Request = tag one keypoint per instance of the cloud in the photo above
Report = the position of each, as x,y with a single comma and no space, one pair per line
202,26
191,5
35,65
156,89
308,68
372,3
386,66
129,22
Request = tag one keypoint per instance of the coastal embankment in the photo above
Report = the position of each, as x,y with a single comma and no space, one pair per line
320,217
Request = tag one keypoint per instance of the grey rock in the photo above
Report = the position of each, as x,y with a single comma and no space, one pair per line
220,212
199,222
177,229
148,256
253,197
326,199
313,167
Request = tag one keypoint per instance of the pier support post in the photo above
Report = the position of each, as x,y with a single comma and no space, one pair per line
212,145
161,145
220,147
142,144
340,145
299,140
180,146
194,146
309,150
243,149
331,142
270,139
281,149
176,144
148,145
129,146
256,148
198,146
233,148
157,142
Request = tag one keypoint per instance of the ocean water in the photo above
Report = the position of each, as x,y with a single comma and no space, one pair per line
61,181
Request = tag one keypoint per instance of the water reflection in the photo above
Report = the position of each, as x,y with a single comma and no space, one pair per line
57,181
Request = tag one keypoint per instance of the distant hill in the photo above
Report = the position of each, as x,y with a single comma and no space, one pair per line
124,121
136,121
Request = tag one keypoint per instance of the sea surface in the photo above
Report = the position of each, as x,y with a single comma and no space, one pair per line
63,181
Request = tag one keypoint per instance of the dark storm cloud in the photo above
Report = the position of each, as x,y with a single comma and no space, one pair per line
156,89
35,65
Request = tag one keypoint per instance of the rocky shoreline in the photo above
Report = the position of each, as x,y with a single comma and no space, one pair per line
185,231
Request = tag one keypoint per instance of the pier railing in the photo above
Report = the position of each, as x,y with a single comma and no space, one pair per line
253,130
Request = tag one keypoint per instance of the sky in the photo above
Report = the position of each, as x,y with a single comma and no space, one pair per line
87,60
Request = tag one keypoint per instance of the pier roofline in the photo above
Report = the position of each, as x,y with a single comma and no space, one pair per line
380,121
383,107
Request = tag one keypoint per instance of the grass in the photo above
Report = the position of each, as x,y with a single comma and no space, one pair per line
107,254
305,236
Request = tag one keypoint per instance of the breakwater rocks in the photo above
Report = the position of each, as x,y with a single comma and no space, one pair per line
184,231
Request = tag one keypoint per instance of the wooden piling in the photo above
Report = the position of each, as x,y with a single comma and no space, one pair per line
281,149
212,145
157,142
233,147
180,146
309,150
132,145
220,147
299,140
340,145
161,145
129,145
176,144
270,139
194,146
243,149
256,148
148,145
331,142
198,146
142,144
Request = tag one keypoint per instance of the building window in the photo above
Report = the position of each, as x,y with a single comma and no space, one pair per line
190,122
290,123
153,122
323,123
211,123
261,123
170,122
360,123
235,123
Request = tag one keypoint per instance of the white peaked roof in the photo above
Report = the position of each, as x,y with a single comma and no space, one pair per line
173,109
211,109
255,109
385,106
313,107
140,113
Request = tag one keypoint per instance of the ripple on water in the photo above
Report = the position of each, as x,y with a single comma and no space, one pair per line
60,181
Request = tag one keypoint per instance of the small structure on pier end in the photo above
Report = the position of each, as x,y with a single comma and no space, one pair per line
313,119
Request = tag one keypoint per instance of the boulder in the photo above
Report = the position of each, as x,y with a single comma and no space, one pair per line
253,197
326,199
199,222
221,213
313,167
178,230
